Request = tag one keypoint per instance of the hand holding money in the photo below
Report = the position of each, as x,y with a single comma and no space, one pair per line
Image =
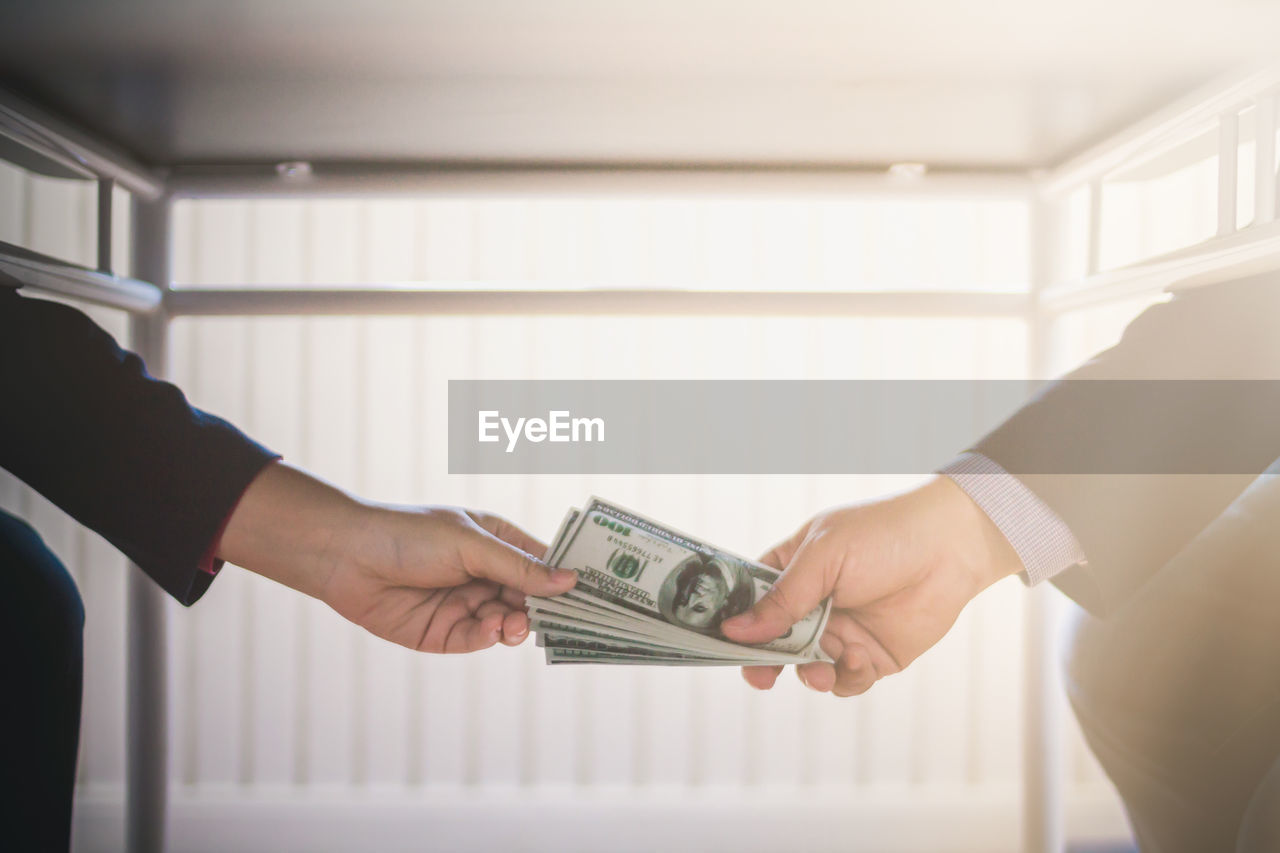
649,594
897,572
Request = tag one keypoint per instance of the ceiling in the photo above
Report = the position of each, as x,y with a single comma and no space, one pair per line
985,84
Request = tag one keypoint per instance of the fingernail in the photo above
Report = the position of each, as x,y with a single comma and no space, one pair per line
561,575
742,620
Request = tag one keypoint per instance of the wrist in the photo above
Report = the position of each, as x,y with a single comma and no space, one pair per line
295,530
356,540
975,544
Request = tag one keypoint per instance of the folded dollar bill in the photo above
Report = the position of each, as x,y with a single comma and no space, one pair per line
649,594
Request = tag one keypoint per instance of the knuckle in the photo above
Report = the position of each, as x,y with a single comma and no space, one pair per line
528,566
855,686
454,516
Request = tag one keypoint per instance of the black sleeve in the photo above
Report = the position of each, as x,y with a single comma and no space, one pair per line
83,423
1130,522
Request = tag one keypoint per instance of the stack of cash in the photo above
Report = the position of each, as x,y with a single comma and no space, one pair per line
649,594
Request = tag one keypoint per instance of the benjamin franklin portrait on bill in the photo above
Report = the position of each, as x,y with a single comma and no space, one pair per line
703,590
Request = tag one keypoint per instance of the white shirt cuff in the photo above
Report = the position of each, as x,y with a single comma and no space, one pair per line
1040,537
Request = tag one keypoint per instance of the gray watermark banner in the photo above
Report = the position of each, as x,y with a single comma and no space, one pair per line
881,427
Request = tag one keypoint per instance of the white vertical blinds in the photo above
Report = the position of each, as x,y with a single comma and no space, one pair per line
788,244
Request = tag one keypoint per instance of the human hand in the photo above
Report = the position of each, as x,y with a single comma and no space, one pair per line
435,579
442,579
899,571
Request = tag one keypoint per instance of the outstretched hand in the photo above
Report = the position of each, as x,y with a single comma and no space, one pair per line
899,572
435,579
440,579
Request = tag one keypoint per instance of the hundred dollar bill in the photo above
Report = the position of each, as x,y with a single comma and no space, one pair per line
639,571
636,650
588,633
560,656
566,655
565,524
563,616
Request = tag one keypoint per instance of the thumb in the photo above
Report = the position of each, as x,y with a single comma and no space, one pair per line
801,588
492,559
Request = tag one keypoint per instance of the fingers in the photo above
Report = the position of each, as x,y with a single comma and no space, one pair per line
813,676
819,675
761,677
515,623
764,677
831,640
485,555
513,597
854,670
802,587
472,635
454,616
860,659
851,675
508,532
855,673
472,617
515,628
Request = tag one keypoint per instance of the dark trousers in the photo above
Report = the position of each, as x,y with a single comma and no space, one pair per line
1178,691
41,657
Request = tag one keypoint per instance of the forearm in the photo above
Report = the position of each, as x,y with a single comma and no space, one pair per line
430,578
294,529
121,452
1136,469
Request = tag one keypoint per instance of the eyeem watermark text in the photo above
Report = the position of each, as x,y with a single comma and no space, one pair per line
558,426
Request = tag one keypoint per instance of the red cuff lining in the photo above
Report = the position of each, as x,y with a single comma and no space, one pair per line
209,562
